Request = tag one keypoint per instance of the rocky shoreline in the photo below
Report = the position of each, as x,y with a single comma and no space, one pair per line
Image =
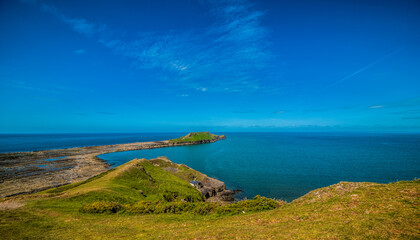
29,172
212,189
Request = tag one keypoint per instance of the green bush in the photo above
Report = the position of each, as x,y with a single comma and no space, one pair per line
101,207
180,207
190,198
144,207
170,196
204,208
172,207
257,204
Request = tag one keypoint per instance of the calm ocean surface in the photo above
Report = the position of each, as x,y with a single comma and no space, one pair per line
279,165
33,142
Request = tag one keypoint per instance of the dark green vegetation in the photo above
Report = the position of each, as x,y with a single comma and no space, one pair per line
150,200
197,137
171,205
145,187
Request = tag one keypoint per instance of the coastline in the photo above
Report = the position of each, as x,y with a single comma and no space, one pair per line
155,198
30,172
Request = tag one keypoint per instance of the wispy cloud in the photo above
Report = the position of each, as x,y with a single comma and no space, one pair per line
405,103
376,106
232,55
80,25
228,57
362,69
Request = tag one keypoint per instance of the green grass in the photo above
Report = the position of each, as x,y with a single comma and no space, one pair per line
195,137
137,180
110,206
184,172
73,185
142,187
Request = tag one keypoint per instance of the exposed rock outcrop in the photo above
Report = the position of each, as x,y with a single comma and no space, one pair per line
212,189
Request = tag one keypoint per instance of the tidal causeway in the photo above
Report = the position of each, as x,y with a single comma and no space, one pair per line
30,172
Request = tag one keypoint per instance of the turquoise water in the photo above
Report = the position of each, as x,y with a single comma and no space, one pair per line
288,165
280,165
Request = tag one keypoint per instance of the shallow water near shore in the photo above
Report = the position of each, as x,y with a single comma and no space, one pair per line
288,165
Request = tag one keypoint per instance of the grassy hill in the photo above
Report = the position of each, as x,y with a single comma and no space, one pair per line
197,137
137,180
153,200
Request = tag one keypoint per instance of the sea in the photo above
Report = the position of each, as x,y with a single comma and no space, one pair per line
281,165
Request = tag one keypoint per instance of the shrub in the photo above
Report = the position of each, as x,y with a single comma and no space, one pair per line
257,204
145,207
179,207
204,208
191,198
101,207
170,196
172,207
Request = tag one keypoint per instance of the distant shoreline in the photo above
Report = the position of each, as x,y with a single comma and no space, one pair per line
34,171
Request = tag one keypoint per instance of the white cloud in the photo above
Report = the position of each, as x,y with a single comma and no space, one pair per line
231,55
79,25
376,106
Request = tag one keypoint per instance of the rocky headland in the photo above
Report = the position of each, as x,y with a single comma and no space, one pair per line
213,190
29,172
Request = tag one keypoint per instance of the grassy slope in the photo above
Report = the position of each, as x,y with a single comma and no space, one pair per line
194,137
137,180
355,210
184,172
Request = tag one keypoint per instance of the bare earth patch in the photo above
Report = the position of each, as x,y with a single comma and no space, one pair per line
9,205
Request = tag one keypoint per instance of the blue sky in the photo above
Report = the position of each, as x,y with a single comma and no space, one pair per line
222,65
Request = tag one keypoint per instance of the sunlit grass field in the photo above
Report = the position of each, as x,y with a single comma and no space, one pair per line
342,211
